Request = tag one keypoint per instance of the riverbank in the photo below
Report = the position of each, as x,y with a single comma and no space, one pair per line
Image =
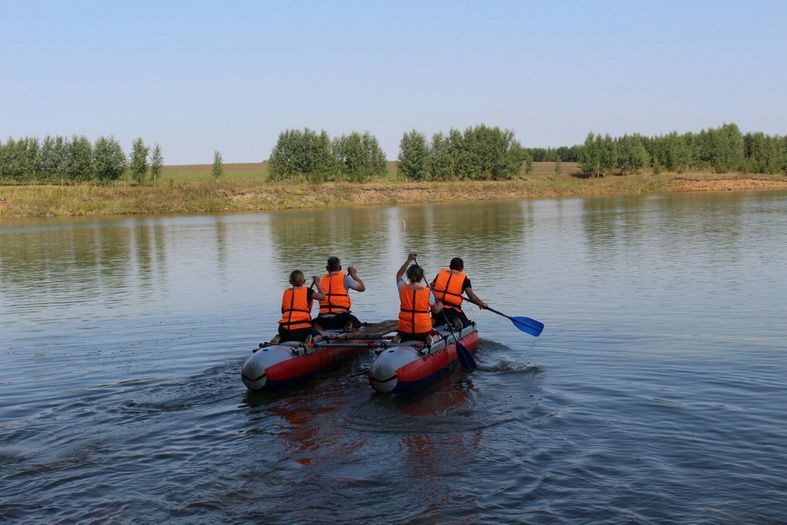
172,196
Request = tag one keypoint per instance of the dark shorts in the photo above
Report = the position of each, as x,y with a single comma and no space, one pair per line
451,314
297,335
338,321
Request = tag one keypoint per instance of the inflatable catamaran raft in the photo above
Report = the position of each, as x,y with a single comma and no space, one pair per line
275,365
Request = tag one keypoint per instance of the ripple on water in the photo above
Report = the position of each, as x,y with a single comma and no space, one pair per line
655,394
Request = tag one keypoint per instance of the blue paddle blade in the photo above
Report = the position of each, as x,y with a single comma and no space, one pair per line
530,326
465,358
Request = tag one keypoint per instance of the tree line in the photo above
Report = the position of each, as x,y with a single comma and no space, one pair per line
561,154
316,157
477,153
29,160
721,149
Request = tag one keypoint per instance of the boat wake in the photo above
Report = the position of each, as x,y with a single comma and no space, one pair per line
490,349
510,367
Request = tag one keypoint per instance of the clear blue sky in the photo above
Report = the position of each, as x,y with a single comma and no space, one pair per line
199,76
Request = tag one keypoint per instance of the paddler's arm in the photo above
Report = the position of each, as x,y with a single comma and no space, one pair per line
354,274
400,274
318,294
434,304
475,299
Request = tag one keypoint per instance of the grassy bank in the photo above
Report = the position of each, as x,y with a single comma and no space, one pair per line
189,189
249,170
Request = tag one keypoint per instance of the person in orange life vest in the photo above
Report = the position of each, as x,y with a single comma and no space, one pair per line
448,287
335,307
416,303
296,309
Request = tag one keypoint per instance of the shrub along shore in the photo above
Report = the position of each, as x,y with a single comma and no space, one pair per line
241,193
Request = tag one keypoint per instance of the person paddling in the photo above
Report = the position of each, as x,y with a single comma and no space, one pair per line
448,287
296,307
416,302
335,306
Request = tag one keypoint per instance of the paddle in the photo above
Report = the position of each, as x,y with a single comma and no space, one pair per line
525,324
465,357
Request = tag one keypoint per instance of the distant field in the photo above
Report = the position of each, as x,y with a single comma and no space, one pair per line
259,170
197,172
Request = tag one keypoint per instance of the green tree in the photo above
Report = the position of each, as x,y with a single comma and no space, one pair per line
678,152
7,160
631,154
303,154
29,156
442,162
590,155
414,156
218,165
359,157
569,153
529,165
784,154
48,166
156,163
374,155
139,161
558,168
109,161
722,148
609,154
483,152
79,162
763,153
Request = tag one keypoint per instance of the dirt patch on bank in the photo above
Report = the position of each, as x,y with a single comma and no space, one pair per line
687,185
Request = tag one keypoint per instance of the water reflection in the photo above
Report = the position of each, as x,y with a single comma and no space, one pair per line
145,252
475,231
305,240
65,265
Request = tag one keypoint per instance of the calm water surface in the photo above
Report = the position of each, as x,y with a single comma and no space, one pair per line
656,394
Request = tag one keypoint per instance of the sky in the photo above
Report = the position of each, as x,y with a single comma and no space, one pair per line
198,76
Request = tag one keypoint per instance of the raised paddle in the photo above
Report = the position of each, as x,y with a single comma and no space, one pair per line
465,357
525,324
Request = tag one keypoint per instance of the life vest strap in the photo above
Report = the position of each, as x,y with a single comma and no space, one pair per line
415,311
303,321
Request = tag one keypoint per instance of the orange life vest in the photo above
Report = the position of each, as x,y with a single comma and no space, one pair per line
414,309
448,288
337,300
296,309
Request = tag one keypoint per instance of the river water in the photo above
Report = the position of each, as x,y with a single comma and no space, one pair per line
656,394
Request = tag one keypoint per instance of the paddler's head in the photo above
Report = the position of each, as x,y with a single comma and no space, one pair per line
457,264
297,278
415,273
334,264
